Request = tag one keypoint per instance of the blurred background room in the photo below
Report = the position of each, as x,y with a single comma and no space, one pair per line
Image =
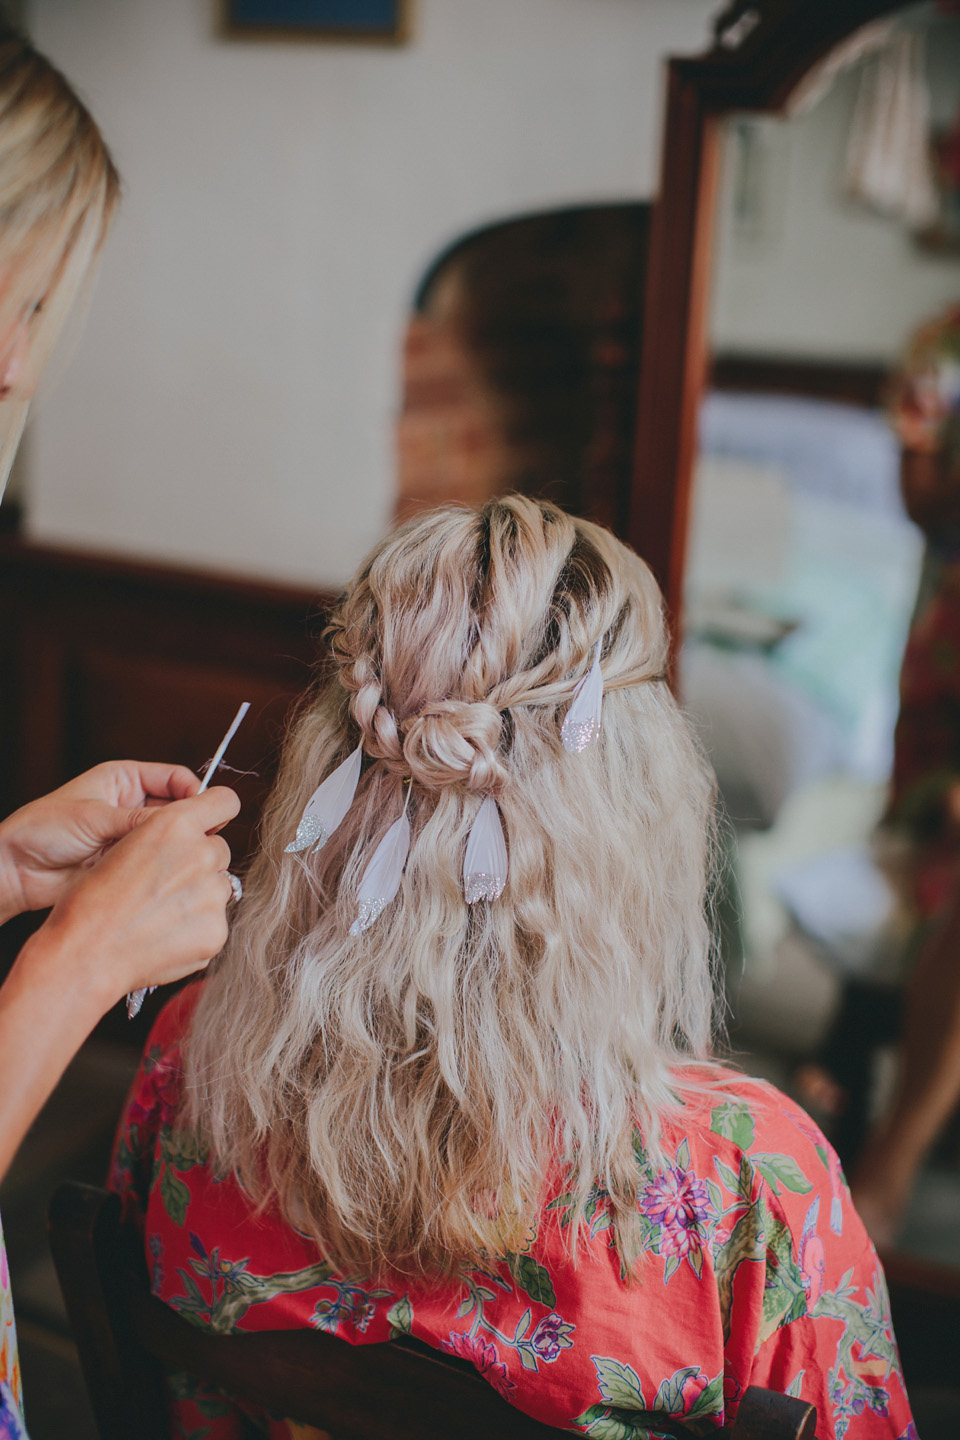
353,277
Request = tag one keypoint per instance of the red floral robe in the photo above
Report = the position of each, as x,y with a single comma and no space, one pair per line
755,1270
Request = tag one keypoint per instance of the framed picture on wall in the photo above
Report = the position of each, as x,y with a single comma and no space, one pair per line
384,21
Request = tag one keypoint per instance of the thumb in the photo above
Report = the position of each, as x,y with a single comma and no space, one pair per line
106,823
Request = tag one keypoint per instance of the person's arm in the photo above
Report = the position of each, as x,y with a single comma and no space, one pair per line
152,910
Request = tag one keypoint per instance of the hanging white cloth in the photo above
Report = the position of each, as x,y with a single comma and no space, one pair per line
888,157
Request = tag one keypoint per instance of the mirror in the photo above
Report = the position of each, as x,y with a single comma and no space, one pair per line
521,361
798,569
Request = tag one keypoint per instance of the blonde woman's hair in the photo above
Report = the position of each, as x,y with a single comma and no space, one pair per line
58,192
402,1094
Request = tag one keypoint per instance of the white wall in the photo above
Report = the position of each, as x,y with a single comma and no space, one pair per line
814,273
231,400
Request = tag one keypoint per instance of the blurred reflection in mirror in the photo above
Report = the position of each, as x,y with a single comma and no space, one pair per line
804,566
521,363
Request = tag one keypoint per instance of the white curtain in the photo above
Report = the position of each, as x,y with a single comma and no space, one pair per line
888,158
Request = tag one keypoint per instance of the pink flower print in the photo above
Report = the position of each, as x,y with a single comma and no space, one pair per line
550,1337
732,1390
363,1312
693,1386
678,1202
164,1081
811,1255
812,1263
484,1357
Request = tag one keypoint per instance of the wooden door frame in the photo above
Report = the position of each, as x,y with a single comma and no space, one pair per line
760,52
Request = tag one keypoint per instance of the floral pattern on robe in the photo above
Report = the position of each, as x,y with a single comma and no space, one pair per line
11,1394
755,1270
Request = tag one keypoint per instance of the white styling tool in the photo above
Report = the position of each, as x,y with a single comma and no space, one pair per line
136,997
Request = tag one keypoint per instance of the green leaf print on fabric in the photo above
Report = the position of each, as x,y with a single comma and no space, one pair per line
350,1302
400,1317
733,1121
532,1278
859,1380
780,1170
670,1395
784,1292
745,1242
709,1402
596,1211
233,1290
175,1194
729,1177
601,1423
618,1384
687,1397
620,1418
541,1344
690,1397
179,1150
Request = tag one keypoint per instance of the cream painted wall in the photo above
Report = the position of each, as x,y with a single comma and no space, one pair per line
230,402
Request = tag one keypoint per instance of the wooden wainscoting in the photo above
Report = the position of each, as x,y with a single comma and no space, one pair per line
109,659
848,382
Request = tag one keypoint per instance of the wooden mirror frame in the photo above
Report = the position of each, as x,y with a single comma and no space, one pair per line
761,50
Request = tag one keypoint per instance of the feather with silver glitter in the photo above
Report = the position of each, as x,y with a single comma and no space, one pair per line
581,724
327,806
135,1000
485,861
381,879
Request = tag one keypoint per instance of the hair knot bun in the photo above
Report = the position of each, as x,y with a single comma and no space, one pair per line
454,742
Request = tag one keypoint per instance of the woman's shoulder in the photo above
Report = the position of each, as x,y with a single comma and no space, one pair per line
720,1101
737,1125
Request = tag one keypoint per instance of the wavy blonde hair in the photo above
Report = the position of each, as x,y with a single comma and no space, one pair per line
402,1093
58,192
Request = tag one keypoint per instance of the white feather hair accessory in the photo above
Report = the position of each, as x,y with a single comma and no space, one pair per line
581,724
485,861
327,806
381,879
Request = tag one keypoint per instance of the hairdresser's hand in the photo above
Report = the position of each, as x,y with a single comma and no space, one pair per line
151,911
47,845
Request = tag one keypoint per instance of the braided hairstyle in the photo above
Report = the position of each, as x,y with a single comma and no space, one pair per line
460,636
376,1085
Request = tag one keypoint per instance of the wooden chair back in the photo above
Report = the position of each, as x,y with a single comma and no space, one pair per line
129,1340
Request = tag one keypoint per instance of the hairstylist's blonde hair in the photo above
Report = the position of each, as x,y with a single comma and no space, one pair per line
402,1092
58,191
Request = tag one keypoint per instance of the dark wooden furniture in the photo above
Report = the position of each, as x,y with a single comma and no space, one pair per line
761,50
105,659
925,1303
839,381
127,1339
